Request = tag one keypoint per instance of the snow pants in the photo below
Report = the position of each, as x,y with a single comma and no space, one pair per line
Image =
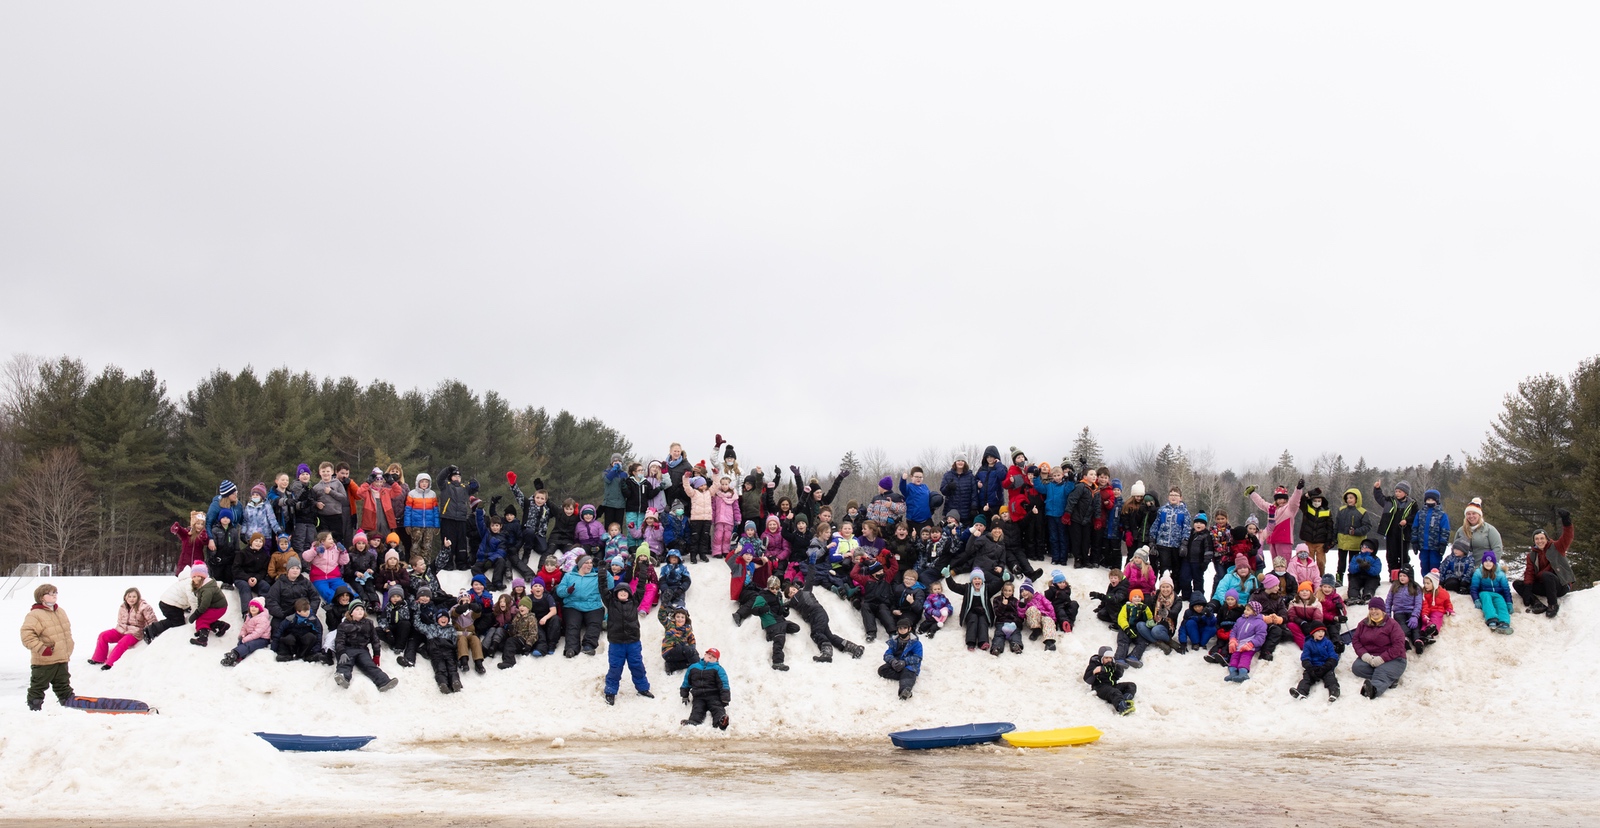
1325,674
977,625
1383,676
1546,589
123,642
704,704
632,654
583,628
906,678
1194,634
358,658
171,616
1033,619
1494,607
1115,694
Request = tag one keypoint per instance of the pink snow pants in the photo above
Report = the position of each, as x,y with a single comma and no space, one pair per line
108,638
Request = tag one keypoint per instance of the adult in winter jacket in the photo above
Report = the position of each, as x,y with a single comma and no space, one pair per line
1479,533
1380,647
1546,575
1317,527
581,602
1430,532
1399,512
1351,526
902,659
960,489
47,633
133,615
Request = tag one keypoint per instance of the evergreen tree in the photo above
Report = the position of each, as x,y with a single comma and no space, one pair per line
1086,450
851,462
1526,467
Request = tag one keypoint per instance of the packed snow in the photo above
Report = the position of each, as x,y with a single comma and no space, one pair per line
1490,690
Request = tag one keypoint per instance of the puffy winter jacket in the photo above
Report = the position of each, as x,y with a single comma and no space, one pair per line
960,492
284,592
1055,495
1552,558
422,505
356,635
1430,531
582,592
207,597
1402,600
256,626
591,535
1082,504
1385,640
908,651
612,476
453,499
916,497
1352,524
1316,523
259,518
1245,586
1366,563
1305,614
1497,583
1437,601
622,618
1249,629
133,620
1398,515
1319,653
325,565
991,483
706,679
1172,526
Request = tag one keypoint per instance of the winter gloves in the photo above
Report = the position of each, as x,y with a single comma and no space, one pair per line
897,664
1373,659
1249,490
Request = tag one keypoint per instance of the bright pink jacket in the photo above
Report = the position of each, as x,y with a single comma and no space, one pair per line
256,626
725,507
1144,581
1280,522
1304,572
325,565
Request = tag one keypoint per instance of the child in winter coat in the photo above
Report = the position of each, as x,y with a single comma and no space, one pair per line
1112,599
936,610
564,527
356,647
1171,532
440,648
643,579
1059,594
1333,611
1199,622
1303,568
1248,634
1435,606
1274,612
677,642
522,636
1319,661
133,615
1038,615
325,562
1104,676
902,660
590,533
192,541
673,581
1365,572
256,634
724,516
654,535
1430,531
300,635
675,529
1305,612
705,689
908,599
464,616
1280,518
1229,611
1351,526
1457,569
1007,622
746,573
1491,593
1405,604
617,543
701,515
1140,574
225,540
1196,555
1131,643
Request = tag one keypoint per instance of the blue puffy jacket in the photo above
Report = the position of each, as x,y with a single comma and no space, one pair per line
1496,584
1172,526
960,493
582,592
492,547
1366,563
916,496
910,652
674,528
1456,566
674,576
993,480
1430,531
1319,653
1055,495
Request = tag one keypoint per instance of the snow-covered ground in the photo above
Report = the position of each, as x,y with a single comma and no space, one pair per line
1534,688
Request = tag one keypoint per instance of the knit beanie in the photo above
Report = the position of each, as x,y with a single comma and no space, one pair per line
227,488
886,483
294,562
199,569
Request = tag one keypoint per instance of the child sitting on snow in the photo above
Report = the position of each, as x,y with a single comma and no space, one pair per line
1333,611
1059,594
1228,614
677,642
1249,633
1435,606
440,649
300,635
356,646
256,634
936,610
522,637
1456,570
1112,599
1199,622
1007,622
1320,661
902,660
1365,572
1038,615
1104,676
705,687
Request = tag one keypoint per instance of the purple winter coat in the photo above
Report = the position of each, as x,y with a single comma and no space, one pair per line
1401,600
1387,641
1250,628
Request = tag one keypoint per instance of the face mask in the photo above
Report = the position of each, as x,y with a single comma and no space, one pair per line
256,500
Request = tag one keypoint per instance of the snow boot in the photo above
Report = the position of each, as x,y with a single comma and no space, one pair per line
1367,690
1295,692
444,687
35,704
611,699
1164,647
780,666
230,658
722,723
388,685
687,723
200,638
997,651
1124,707
341,679
1016,647
1333,697
871,637
504,665
455,682
1134,662
737,619
1180,648
647,694
1216,658
1050,646
477,667
219,628
827,654
463,664
905,694
1034,636
1537,608
106,666
1549,613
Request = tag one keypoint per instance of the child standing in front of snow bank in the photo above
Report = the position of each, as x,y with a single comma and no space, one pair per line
1320,662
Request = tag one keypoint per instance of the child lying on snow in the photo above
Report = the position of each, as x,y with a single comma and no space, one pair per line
706,683
1104,676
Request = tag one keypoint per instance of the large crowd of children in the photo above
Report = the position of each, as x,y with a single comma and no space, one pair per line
333,571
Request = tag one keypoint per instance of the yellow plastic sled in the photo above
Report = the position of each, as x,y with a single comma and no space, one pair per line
1060,737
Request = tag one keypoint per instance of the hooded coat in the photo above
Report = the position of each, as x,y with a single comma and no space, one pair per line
991,483
1352,524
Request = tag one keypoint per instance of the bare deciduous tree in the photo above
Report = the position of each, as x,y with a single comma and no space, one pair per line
54,511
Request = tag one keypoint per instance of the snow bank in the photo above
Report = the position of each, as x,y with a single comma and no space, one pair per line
1512,689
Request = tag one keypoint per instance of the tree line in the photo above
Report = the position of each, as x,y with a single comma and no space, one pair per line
95,467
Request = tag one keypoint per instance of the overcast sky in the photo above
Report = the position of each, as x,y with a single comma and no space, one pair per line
821,226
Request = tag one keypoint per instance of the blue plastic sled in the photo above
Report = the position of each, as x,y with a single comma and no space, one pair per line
939,737
95,704
295,741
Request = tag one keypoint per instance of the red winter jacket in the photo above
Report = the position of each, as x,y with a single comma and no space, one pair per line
1538,563
1437,601
1018,488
